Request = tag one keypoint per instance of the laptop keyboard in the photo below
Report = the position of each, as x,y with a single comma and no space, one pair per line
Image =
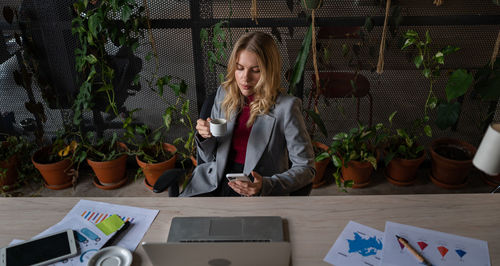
223,240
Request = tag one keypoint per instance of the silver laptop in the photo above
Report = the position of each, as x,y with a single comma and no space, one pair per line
221,241
219,253
226,229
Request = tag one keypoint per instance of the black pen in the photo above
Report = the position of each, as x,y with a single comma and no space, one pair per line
118,232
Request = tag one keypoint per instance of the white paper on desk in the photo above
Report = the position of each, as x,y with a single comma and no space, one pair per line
140,219
357,245
438,248
86,213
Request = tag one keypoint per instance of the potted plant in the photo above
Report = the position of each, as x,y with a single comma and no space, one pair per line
153,155
321,161
15,164
402,153
56,162
354,156
107,157
451,158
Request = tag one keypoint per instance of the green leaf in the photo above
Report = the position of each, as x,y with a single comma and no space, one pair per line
373,161
322,156
136,80
185,108
449,49
94,23
401,133
318,121
439,57
141,129
157,136
167,117
458,83
203,35
91,59
426,72
149,56
433,101
183,87
418,60
126,12
105,88
176,88
337,162
135,45
408,43
427,37
392,116
411,34
447,114
300,61
496,2
428,130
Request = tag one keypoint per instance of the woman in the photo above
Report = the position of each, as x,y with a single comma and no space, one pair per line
265,129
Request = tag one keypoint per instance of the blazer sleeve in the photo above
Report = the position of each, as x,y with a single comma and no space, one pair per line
207,148
300,153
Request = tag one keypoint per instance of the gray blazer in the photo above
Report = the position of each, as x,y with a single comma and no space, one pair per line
275,139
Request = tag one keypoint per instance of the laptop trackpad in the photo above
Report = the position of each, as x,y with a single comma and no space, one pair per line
226,227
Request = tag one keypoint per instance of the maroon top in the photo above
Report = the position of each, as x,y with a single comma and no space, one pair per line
241,133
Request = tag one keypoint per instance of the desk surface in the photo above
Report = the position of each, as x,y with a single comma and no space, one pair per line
313,223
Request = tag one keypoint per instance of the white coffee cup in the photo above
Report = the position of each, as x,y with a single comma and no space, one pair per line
218,127
487,158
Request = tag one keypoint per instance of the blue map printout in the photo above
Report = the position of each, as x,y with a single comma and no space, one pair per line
364,246
356,245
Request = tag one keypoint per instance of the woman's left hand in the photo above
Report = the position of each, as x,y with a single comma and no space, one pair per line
246,188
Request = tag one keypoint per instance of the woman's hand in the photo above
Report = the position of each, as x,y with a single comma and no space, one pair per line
203,128
246,188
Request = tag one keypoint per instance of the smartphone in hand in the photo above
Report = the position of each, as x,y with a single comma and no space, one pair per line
237,176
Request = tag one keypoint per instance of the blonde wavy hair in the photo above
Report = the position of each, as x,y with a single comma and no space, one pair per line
267,88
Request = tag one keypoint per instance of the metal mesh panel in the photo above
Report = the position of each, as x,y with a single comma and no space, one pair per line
401,87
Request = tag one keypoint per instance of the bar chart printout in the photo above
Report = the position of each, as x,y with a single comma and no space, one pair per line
438,248
357,245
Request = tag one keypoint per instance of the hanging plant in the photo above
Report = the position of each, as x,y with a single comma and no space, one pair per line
96,26
458,82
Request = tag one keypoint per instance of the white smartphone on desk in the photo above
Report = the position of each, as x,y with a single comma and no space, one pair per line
237,176
41,251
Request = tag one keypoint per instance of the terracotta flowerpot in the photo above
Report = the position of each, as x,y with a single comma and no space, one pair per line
10,177
359,172
319,179
401,172
110,174
450,173
56,175
153,170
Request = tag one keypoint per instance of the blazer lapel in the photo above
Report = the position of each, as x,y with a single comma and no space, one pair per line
224,148
258,140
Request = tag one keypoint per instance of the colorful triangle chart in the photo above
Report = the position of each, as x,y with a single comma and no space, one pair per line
460,252
422,245
442,250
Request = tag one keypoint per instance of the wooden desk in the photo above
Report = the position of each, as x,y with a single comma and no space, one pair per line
314,223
